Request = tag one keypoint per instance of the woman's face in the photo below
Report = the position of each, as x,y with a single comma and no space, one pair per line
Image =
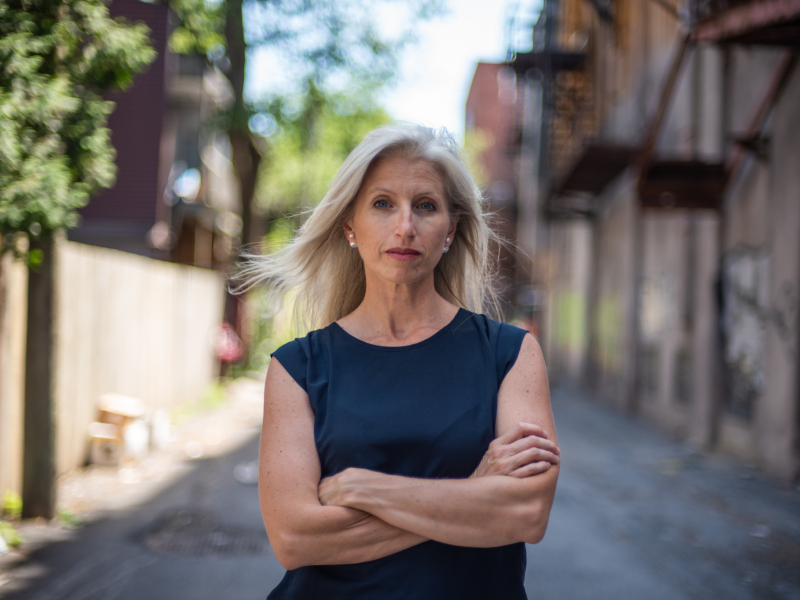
401,220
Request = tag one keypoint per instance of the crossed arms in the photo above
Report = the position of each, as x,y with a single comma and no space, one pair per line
360,515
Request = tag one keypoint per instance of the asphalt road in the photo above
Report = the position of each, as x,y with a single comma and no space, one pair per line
636,516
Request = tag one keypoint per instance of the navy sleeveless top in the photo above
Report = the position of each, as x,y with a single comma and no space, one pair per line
423,410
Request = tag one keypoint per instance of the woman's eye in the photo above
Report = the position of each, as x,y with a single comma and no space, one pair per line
381,203
427,206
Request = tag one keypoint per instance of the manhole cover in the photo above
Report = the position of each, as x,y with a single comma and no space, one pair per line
195,533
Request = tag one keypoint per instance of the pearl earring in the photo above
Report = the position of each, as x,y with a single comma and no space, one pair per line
446,249
351,236
447,240
353,244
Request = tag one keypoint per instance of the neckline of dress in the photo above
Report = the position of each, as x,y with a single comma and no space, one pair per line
427,340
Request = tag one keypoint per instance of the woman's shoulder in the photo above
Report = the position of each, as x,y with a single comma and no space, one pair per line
308,345
297,356
504,340
494,330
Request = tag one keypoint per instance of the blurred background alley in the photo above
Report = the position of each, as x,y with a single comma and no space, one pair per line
642,157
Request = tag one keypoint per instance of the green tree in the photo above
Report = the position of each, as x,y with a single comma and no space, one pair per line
57,58
308,146
323,46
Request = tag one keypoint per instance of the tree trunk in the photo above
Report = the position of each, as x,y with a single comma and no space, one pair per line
246,156
39,456
246,160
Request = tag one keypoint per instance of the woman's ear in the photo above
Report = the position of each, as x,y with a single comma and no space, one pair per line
453,223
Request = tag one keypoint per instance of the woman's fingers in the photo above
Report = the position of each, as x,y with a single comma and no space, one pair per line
531,469
532,455
523,444
533,441
324,491
503,460
520,430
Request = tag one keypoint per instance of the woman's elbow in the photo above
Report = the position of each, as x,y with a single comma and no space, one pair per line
536,519
536,534
288,550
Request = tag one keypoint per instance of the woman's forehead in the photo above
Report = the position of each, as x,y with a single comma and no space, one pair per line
395,170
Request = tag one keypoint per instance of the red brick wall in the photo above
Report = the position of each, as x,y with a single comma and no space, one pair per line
136,126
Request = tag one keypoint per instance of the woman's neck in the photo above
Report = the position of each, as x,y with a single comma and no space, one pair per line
399,315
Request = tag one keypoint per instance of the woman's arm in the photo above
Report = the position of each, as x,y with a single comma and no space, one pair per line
301,530
477,512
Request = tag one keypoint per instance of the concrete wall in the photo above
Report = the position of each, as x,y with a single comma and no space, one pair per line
611,347
665,314
776,416
126,324
572,246
677,322
692,318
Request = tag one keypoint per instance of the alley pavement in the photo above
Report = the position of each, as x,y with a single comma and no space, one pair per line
640,516
636,516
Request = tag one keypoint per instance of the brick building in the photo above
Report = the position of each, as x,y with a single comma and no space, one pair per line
175,196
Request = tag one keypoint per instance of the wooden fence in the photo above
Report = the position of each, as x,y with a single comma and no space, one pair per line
125,324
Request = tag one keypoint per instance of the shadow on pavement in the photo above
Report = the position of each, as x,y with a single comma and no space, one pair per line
201,537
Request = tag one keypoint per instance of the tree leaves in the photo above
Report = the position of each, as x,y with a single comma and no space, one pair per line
57,58
309,146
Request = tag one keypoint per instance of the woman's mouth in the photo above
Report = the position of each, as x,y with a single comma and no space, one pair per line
403,253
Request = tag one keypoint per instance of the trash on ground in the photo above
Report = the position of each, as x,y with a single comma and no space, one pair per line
194,449
246,472
760,531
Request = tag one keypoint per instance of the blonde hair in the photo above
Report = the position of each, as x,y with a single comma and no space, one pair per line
327,277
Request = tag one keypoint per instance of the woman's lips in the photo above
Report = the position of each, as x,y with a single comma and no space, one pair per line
403,253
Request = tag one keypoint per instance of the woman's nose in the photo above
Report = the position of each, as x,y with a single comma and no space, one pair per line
405,222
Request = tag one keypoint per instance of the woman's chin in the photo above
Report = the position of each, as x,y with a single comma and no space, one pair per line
404,274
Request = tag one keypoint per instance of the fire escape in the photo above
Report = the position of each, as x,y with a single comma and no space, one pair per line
567,125
576,164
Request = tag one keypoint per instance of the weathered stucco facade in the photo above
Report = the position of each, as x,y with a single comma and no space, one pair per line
673,224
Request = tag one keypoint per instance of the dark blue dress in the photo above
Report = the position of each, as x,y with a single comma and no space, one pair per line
423,410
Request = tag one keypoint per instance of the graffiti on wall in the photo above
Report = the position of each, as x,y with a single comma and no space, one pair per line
744,298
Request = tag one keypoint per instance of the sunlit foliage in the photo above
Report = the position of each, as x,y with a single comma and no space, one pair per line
57,58
314,134
333,42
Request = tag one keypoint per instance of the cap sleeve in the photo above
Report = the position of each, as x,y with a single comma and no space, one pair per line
293,357
509,342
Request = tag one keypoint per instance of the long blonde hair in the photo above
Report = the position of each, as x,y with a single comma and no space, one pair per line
326,276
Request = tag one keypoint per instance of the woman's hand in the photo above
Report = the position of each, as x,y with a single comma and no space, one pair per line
522,451
333,490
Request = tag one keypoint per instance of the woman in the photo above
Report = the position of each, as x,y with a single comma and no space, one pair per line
408,447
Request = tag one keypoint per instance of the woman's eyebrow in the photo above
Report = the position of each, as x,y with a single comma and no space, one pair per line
417,195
